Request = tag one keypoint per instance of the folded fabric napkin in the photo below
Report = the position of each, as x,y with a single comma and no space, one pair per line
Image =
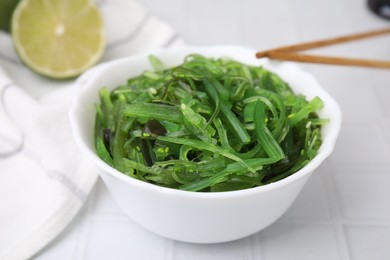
44,179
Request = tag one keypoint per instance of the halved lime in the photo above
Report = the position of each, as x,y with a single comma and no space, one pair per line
58,38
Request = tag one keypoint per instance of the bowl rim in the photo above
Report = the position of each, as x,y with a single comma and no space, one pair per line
86,86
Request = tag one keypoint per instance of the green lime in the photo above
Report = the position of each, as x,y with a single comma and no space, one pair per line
58,38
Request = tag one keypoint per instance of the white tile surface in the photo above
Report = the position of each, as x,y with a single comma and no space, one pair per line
365,99
321,27
317,8
238,250
342,212
216,23
364,192
270,9
299,241
102,204
356,8
368,242
259,34
63,247
361,143
119,238
383,94
311,202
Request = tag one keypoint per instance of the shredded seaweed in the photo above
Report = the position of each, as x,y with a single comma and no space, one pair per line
207,125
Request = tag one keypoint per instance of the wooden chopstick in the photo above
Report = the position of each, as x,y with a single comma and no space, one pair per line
291,56
288,52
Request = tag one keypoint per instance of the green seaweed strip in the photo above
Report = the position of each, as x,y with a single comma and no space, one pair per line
230,169
269,144
206,146
156,111
102,152
231,120
311,107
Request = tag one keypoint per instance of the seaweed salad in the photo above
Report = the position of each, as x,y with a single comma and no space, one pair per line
207,125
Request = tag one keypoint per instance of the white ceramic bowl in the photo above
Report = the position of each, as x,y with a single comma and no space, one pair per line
190,216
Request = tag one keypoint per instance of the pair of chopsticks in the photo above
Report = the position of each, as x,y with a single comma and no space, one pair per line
290,52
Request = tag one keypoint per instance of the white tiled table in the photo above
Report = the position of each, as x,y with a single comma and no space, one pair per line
344,210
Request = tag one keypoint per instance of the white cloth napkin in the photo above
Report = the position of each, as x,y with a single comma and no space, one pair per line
44,179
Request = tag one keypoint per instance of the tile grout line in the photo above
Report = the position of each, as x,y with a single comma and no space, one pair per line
169,249
255,247
332,199
342,242
385,129
84,232
377,96
80,250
